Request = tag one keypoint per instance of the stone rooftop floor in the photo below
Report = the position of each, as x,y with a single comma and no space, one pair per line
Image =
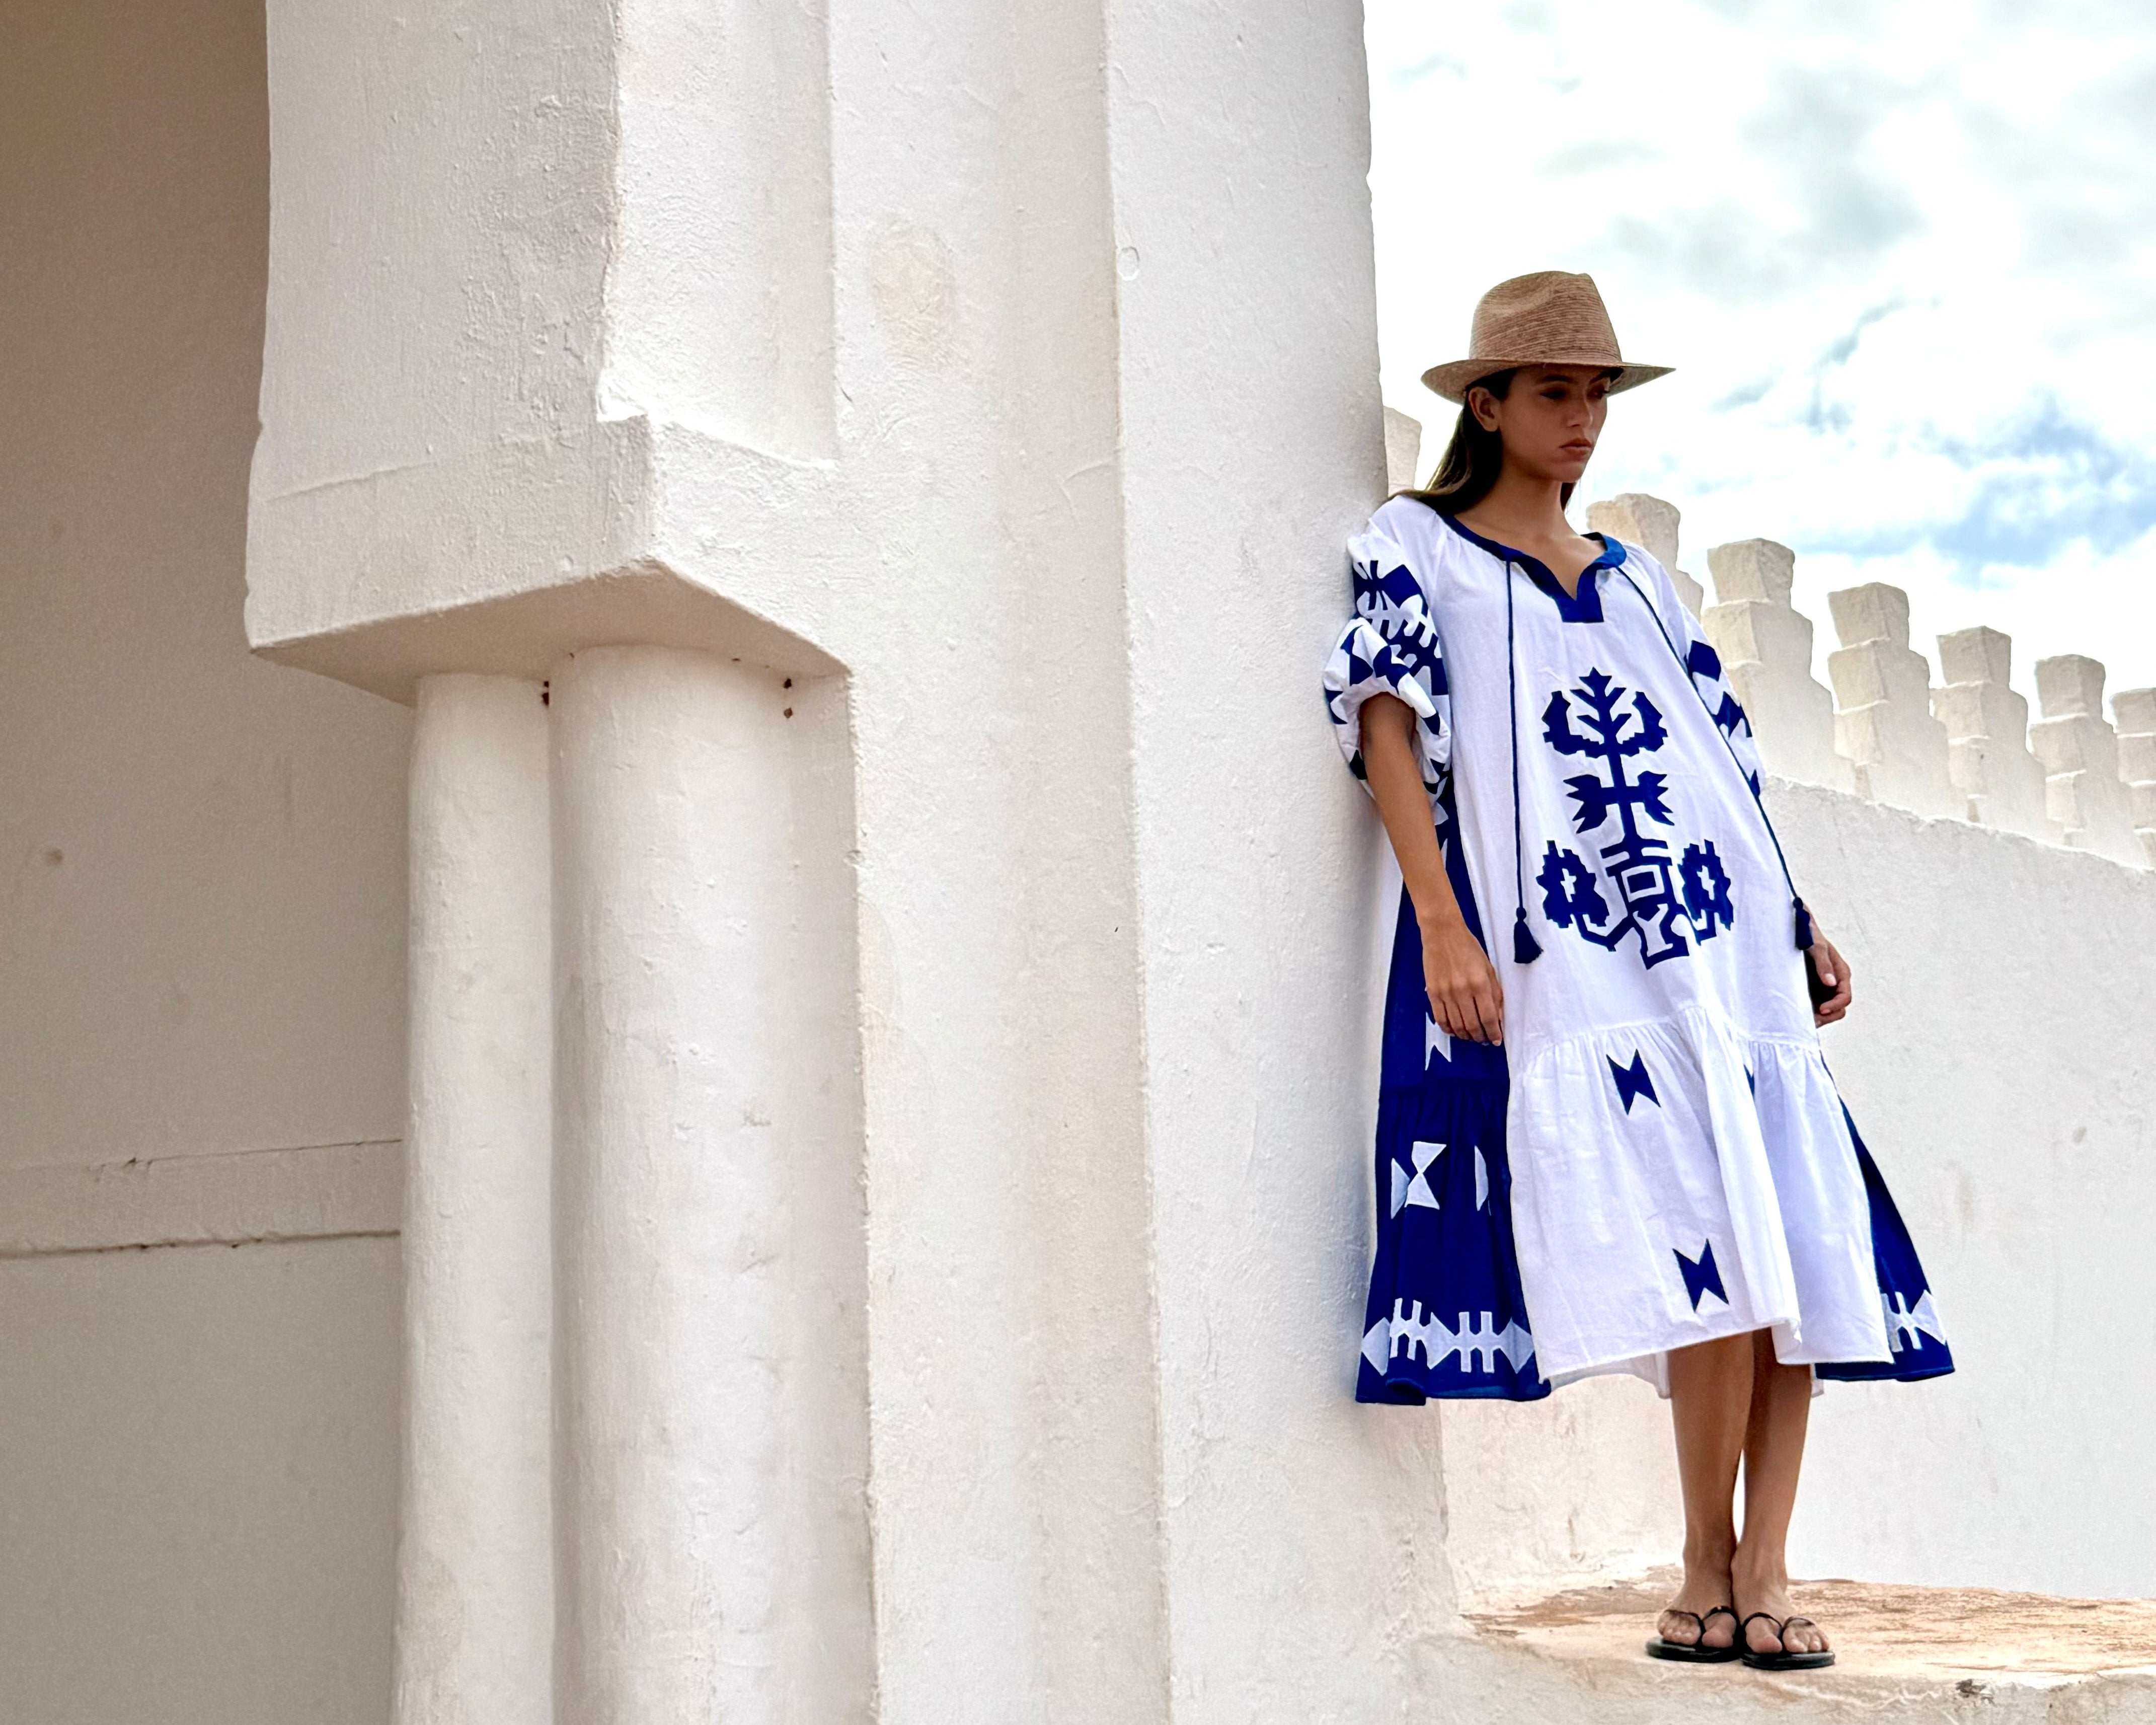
1928,1653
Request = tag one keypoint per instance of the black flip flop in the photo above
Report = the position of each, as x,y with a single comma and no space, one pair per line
1783,1661
1697,1652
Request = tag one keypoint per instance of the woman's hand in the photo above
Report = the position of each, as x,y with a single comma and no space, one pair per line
1466,997
1834,970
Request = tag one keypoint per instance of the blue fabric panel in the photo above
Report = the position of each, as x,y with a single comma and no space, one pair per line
1903,1289
1701,660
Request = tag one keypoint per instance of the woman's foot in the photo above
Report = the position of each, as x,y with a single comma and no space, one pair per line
1705,1586
1771,1595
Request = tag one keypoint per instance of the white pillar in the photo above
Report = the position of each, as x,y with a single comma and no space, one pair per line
474,1568
712,1553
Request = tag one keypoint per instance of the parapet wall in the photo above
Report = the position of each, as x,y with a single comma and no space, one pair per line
1961,748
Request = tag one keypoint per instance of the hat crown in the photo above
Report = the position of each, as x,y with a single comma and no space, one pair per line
1550,317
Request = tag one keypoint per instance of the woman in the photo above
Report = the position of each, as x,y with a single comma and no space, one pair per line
1606,1139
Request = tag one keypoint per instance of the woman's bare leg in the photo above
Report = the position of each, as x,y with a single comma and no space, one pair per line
1711,1403
1774,1452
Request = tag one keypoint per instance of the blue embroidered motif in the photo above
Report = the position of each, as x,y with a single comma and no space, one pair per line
1700,1276
1633,1082
1668,901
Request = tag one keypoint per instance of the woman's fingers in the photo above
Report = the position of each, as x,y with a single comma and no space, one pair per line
1834,970
1477,1003
1453,1006
1466,997
1490,1001
1446,1011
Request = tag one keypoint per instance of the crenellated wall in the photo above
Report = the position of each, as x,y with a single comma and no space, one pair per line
1961,749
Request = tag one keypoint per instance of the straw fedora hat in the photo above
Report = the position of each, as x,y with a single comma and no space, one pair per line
1547,319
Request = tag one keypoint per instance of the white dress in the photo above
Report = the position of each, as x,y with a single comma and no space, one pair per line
1681,1165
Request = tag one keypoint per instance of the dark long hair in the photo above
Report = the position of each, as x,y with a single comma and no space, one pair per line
1474,458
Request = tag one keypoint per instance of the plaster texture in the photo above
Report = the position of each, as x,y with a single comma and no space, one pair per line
1651,523
1999,1061
2134,710
2083,794
1402,451
309,1191
1883,691
1300,1543
475,1582
1987,731
201,928
712,1431
1038,405
1765,645
925,1276
198,1446
202,943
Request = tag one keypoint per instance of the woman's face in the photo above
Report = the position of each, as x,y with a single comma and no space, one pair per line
1549,419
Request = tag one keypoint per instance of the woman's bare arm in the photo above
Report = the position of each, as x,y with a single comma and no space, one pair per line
1465,996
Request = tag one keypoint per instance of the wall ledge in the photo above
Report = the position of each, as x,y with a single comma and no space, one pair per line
239,1198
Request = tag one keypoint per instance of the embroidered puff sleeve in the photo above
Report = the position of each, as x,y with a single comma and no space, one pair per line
1390,647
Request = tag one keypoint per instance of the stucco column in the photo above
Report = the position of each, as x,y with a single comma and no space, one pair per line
709,1549
475,1577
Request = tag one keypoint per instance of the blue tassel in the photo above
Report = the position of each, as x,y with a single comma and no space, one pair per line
1803,925
1526,948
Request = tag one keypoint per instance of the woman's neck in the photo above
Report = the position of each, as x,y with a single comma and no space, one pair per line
1521,510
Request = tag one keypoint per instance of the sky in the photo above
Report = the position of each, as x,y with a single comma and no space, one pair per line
1902,256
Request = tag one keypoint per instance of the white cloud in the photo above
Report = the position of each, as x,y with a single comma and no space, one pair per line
1903,257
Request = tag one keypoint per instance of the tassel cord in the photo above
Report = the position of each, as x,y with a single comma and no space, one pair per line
1526,949
1802,916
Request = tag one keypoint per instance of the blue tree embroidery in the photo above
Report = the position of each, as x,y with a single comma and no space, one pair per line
1667,900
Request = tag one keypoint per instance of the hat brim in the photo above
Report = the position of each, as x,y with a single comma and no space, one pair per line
1452,381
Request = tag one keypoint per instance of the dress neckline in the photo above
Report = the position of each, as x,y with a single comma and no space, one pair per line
1582,606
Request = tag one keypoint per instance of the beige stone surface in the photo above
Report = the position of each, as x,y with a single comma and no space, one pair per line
1876,1628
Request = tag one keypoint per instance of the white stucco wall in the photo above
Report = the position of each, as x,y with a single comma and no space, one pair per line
202,866
204,854
1302,1539
197,1464
2000,1061
1014,509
